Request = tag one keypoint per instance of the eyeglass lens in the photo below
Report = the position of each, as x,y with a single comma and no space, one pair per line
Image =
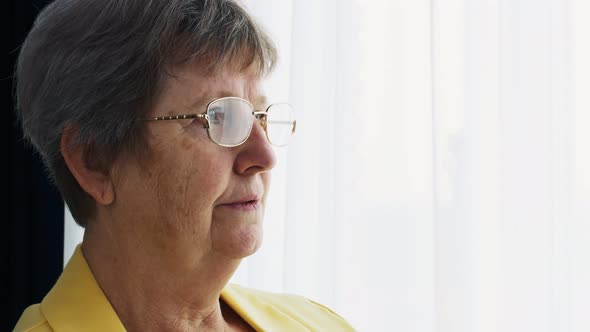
279,124
230,121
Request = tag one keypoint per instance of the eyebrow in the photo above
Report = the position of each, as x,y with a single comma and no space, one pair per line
203,100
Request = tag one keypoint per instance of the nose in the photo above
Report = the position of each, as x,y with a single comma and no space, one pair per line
256,154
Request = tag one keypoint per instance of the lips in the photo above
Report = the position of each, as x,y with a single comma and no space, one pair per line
248,203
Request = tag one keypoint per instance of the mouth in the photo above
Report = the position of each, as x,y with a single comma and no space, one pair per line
248,204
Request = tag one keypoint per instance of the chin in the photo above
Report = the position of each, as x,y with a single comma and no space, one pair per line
240,242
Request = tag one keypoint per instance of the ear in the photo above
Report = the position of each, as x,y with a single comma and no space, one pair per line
95,181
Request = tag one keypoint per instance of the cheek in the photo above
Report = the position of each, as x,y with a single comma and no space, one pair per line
198,180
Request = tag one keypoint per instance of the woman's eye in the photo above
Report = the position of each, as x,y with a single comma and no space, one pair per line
216,115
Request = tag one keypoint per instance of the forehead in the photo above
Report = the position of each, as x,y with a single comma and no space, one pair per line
188,86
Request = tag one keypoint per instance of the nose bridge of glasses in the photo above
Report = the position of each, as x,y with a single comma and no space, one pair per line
261,116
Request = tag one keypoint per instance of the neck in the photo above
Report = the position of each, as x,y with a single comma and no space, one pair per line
157,288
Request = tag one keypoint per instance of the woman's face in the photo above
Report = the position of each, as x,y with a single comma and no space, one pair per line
191,198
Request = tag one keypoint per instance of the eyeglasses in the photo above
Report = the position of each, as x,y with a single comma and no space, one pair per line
229,121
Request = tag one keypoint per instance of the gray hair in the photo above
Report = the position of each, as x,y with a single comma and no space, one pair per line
99,66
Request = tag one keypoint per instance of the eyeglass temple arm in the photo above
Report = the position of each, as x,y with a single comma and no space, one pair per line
177,117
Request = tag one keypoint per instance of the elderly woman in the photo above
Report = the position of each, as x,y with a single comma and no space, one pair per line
151,119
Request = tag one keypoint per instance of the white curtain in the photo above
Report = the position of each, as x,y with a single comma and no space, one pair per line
440,176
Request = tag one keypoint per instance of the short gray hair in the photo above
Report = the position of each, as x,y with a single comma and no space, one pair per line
99,66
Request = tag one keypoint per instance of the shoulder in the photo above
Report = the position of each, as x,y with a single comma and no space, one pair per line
32,320
307,312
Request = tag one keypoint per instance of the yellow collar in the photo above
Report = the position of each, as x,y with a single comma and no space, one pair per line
76,302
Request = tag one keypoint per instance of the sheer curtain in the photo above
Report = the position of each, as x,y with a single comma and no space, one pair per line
440,178
440,175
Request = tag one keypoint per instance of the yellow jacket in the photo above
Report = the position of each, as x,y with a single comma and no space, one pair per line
76,303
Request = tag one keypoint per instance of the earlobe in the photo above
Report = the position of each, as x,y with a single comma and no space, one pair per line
95,181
